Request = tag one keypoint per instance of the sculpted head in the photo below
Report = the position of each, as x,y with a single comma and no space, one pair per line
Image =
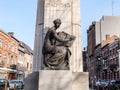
57,23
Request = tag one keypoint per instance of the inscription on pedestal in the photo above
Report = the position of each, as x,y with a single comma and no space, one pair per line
58,4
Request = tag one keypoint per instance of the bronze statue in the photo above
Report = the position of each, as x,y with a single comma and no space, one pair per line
56,51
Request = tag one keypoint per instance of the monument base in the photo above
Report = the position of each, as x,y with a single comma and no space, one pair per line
57,80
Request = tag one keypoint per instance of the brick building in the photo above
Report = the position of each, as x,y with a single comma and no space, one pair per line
91,52
85,66
8,54
98,61
96,35
108,59
4,49
13,56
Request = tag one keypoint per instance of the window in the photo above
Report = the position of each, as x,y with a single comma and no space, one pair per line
12,60
21,56
1,62
16,48
0,57
1,42
27,65
13,47
5,58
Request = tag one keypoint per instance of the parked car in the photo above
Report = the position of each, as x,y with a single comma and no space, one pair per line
3,81
101,85
22,83
16,83
107,84
113,85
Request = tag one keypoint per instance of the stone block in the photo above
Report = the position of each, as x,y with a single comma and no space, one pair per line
63,80
80,81
57,80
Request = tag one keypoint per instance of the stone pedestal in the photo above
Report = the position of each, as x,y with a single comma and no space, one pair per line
31,81
57,80
74,79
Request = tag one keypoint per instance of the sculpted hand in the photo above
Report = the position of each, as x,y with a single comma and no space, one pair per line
72,38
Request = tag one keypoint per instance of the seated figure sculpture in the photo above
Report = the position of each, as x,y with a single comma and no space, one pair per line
56,51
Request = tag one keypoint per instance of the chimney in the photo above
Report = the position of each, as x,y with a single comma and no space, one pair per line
11,33
107,36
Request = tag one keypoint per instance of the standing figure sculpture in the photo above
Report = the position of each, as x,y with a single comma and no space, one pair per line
56,51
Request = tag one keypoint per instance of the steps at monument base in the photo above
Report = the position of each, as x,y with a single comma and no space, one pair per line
57,80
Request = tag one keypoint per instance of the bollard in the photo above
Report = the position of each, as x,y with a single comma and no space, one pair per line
6,86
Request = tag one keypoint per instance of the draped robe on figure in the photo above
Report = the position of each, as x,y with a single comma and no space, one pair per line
59,59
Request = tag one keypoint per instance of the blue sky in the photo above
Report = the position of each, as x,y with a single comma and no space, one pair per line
19,16
93,10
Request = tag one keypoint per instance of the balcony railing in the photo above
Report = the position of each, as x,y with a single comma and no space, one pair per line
105,68
113,67
98,67
13,66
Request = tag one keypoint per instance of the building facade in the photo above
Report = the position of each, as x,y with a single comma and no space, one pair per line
28,59
96,40
4,53
8,55
13,57
85,66
91,52
107,25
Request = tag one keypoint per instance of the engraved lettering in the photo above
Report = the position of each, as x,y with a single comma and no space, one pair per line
55,4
